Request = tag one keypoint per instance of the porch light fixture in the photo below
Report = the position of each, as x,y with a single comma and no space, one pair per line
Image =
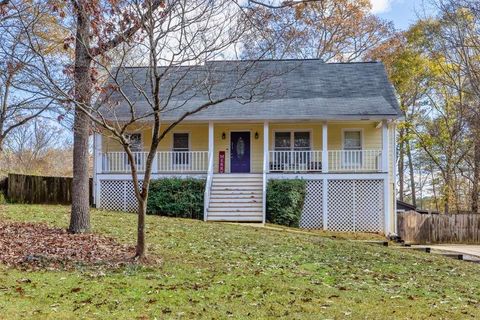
223,136
256,135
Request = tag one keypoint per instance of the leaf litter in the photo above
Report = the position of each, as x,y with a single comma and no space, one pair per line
34,246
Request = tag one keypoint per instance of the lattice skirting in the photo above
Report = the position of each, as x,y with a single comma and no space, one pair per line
118,195
312,214
352,205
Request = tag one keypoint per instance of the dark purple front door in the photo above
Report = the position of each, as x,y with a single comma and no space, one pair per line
240,152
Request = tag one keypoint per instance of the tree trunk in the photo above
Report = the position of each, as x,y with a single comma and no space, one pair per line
476,174
401,165
80,217
140,253
412,174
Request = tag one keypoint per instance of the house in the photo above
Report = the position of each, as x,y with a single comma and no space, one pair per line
332,124
403,206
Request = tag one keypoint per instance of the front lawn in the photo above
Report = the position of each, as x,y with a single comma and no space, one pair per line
216,271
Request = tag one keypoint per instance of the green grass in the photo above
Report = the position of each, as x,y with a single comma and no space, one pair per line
233,271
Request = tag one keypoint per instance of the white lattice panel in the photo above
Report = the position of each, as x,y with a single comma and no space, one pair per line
355,205
369,214
340,205
118,195
312,213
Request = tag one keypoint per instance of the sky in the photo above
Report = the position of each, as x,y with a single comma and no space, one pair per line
401,12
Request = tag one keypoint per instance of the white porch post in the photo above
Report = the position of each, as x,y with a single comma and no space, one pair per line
155,160
210,140
266,168
325,170
325,147
386,186
266,154
209,171
97,142
384,146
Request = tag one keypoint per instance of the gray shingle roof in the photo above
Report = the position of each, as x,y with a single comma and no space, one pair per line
269,89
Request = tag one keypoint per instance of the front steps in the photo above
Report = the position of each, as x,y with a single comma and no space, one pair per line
236,197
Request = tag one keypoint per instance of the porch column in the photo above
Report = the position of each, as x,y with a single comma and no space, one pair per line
266,154
98,152
325,147
210,147
384,146
97,144
155,159
386,186
266,169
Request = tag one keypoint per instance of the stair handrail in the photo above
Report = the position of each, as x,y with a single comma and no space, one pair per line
208,186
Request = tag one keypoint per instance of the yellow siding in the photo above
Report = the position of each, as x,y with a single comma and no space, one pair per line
224,144
198,137
111,145
371,136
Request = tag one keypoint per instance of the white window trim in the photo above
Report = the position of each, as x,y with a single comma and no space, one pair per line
292,137
142,147
353,130
181,132
344,161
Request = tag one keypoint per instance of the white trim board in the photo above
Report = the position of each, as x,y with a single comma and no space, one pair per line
319,176
128,176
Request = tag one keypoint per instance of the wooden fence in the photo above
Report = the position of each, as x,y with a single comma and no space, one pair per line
414,227
41,190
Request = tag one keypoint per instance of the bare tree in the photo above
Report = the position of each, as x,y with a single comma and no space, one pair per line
20,96
174,44
38,147
336,31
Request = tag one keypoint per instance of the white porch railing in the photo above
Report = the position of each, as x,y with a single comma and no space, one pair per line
167,161
355,160
295,161
338,161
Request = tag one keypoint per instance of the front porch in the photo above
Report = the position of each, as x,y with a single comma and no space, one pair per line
328,147
346,166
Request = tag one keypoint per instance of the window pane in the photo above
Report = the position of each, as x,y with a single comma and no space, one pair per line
135,141
282,140
353,140
180,142
302,140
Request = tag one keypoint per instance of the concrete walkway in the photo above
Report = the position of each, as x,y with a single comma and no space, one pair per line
470,252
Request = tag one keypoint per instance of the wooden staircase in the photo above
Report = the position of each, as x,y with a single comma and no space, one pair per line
236,197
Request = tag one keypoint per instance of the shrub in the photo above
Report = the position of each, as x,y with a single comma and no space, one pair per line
285,201
3,199
173,197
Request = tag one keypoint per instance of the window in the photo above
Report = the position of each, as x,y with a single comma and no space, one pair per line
352,144
291,141
295,140
136,147
282,140
352,140
181,148
180,142
135,141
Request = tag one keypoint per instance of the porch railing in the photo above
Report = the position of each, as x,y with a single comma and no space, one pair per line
338,161
354,160
295,161
165,161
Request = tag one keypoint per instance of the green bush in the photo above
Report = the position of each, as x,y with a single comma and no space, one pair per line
3,199
285,201
173,197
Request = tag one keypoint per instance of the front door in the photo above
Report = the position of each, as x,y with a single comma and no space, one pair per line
240,152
